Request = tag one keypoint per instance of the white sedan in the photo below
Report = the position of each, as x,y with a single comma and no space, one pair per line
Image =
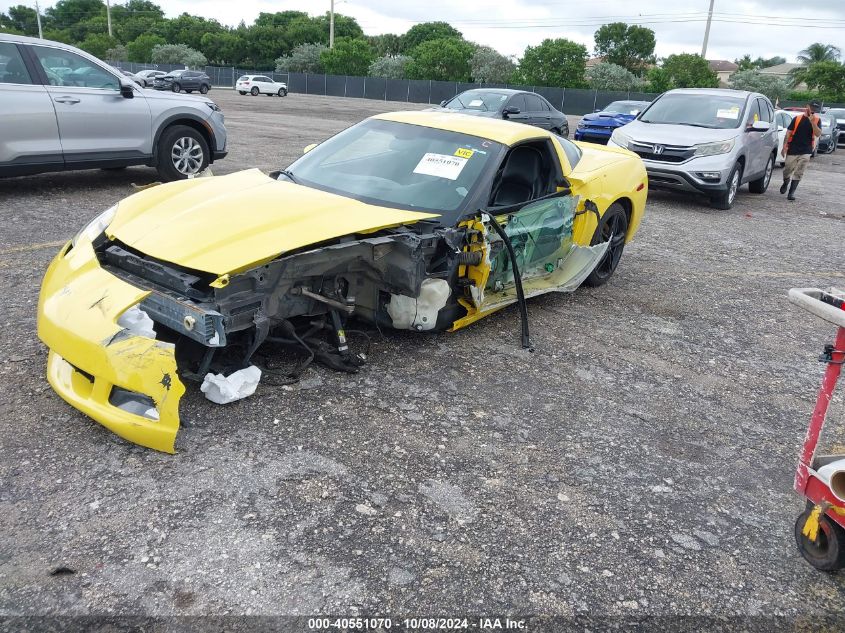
783,119
260,84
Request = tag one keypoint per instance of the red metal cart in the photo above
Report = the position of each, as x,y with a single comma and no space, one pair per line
820,529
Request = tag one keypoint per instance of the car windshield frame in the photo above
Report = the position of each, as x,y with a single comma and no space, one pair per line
465,98
303,170
741,104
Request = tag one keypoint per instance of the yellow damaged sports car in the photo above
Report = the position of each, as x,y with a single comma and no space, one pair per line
421,221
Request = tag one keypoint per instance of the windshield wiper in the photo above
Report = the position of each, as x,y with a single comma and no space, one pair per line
709,127
289,175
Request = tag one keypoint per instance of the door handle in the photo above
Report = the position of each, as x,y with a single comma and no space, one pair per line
70,100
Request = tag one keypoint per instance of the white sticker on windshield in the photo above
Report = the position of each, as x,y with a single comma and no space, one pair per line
727,113
475,103
441,165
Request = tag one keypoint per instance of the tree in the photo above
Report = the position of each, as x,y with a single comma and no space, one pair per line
98,44
22,20
177,54
629,46
118,53
390,67
69,13
746,63
344,26
441,60
612,77
828,78
427,32
559,62
818,52
188,29
489,66
304,58
683,71
141,49
348,57
387,44
754,81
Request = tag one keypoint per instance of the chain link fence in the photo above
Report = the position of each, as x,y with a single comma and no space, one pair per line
574,101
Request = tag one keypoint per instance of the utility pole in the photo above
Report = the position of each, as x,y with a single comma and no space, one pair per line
108,15
331,25
707,30
38,17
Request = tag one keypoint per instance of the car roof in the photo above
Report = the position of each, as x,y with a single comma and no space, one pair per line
714,92
505,132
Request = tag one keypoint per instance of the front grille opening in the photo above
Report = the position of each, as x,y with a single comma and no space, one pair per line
133,402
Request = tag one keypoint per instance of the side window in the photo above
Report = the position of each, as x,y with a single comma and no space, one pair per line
518,101
765,113
534,103
753,113
572,151
12,69
263,79
64,68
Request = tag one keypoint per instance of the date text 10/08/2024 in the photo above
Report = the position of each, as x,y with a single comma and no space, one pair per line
415,624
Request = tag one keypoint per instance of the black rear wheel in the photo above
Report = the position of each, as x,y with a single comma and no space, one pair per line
613,228
204,89
176,87
827,552
254,91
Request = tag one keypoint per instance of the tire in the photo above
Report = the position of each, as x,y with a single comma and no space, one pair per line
761,184
827,552
204,89
182,151
254,91
726,200
176,88
243,92
556,131
613,226
282,92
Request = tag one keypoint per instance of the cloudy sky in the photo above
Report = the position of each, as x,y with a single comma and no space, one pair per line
759,27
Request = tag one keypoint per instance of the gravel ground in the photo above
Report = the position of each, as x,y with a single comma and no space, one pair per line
640,462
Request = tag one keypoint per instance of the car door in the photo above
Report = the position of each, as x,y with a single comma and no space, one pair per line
517,101
541,232
29,133
96,122
755,147
539,114
265,85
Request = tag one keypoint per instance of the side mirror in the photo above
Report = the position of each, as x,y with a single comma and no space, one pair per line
510,110
597,110
760,126
443,103
308,148
127,89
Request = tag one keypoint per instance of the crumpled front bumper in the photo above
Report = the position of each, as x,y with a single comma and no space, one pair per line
92,358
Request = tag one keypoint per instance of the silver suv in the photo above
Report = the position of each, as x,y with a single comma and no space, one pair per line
707,141
65,109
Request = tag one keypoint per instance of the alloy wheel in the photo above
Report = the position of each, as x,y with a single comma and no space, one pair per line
734,186
187,155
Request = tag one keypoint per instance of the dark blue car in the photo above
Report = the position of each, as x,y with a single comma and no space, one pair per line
597,127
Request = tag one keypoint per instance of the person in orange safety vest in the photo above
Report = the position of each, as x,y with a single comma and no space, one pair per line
798,146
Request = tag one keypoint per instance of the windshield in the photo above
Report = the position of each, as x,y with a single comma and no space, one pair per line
482,100
398,165
625,107
698,110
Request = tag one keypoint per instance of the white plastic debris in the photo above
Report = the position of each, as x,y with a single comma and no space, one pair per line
137,322
225,389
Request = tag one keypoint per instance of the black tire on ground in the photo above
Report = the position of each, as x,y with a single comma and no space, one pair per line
243,92
762,183
827,552
613,227
204,89
254,91
282,92
182,151
726,200
176,88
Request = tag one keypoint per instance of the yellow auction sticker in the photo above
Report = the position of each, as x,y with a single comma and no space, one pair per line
464,153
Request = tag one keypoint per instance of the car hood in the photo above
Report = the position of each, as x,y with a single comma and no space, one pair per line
670,134
226,224
607,119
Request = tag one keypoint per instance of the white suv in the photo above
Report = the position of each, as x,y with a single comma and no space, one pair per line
260,84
